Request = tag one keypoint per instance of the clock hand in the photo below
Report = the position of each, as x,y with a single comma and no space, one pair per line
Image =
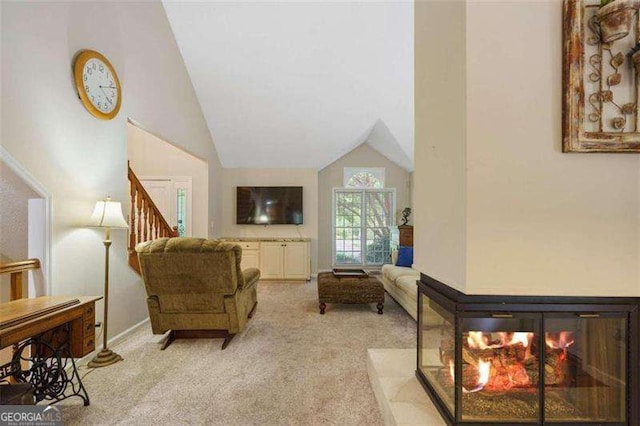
105,95
107,87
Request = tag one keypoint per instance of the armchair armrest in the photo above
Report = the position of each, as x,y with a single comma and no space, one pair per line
249,277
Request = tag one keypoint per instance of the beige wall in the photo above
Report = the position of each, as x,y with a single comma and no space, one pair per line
332,177
151,156
77,157
537,221
439,178
307,178
14,196
14,228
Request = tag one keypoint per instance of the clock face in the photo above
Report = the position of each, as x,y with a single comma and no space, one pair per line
97,84
100,85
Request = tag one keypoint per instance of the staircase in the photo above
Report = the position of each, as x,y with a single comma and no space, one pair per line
145,221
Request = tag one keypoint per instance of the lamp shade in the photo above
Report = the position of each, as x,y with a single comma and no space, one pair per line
108,214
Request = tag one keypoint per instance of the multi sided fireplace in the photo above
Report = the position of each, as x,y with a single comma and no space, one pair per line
529,360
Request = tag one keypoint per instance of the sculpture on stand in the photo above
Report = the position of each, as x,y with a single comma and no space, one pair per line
405,216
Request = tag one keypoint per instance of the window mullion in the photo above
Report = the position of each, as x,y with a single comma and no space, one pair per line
363,227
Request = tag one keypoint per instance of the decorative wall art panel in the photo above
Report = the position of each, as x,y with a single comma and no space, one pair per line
600,76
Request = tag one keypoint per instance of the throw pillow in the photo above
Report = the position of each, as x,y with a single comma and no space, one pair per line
405,257
394,256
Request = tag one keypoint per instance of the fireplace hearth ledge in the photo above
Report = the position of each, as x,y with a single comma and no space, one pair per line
400,397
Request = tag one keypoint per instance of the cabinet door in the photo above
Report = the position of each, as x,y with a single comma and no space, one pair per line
250,259
296,261
271,260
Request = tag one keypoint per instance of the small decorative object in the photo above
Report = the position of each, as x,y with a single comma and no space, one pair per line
405,215
107,214
97,84
600,76
614,18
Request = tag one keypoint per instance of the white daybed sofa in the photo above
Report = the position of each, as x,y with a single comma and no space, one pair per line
400,283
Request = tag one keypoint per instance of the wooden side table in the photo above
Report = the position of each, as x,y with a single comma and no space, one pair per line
406,235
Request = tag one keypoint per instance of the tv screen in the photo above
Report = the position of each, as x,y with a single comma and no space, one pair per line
269,205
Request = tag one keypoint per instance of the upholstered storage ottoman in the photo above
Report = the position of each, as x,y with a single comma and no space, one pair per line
334,289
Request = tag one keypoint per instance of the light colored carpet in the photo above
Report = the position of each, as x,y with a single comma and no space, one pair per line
291,366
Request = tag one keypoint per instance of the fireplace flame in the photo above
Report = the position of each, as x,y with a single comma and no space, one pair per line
479,340
499,361
484,369
560,340
517,337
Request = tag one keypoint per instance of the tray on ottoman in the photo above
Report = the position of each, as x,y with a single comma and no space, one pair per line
349,272
352,289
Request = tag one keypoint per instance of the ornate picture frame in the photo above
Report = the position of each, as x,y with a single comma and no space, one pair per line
601,63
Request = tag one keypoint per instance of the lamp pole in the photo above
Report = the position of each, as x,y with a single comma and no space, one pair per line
106,356
107,245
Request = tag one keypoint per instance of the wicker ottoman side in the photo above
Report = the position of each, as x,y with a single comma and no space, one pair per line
332,289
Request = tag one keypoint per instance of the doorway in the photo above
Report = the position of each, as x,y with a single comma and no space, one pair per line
176,180
25,228
173,197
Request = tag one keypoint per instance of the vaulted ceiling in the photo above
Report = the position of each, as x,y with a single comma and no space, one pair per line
298,84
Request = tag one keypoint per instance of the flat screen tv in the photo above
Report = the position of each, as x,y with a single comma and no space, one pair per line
269,205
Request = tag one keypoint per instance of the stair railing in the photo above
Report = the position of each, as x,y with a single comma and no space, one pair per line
145,220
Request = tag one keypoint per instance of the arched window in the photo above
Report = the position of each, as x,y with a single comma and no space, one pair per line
363,214
358,177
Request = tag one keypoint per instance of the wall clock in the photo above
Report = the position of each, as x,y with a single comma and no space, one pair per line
97,84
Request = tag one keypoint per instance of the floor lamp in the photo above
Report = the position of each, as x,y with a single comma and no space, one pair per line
106,215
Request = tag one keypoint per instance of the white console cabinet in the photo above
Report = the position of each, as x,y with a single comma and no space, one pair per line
250,254
277,259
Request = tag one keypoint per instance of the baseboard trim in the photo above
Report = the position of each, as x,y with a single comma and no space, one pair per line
113,341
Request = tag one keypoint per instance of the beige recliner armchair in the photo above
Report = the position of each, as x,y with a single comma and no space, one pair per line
195,288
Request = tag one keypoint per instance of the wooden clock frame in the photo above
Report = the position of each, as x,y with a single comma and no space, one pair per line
78,66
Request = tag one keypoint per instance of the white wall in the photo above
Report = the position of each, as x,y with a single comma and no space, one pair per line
332,177
79,158
151,156
307,178
439,178
537,221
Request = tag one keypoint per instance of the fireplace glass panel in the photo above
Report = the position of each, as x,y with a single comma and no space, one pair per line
436,346
500,369
585,371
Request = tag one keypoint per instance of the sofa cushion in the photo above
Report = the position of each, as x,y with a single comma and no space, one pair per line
391,272
407,284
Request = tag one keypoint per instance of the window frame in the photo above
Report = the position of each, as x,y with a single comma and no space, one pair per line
349,172
363,225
